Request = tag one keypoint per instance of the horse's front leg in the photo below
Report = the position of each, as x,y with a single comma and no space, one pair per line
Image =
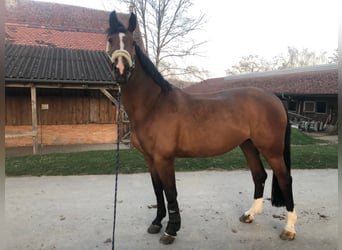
174,222
156,225
166,173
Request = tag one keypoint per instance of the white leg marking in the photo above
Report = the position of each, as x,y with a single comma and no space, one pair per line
291,221
256,208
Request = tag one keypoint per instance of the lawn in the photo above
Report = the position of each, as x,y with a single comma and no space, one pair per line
306,151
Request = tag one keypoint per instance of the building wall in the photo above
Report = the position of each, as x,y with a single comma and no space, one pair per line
63,134
327,115
64,117
57,107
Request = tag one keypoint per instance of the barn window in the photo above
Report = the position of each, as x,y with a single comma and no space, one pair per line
321,107
292,106
309,106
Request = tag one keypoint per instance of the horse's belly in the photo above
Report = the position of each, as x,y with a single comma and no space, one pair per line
210,144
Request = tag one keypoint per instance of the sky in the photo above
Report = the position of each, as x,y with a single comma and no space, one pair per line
243,27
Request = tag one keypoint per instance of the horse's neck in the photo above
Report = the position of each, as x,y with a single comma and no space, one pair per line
139,95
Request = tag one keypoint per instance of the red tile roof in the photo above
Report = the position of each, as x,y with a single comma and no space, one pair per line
25,35
307,80
58,25
56,16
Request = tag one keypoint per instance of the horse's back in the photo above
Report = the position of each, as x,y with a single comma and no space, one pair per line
217,122
237,102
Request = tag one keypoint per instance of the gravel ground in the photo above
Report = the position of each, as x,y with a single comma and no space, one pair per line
76,212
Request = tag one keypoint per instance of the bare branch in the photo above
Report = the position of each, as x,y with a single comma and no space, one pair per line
293,58
167,28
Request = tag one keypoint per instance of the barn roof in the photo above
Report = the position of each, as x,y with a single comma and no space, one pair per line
55,43
57,25
57,16
32,64
313,80
47,37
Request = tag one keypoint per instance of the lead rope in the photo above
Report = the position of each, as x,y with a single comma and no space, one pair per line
117,162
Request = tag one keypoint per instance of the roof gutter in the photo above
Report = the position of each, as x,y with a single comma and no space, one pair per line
20,82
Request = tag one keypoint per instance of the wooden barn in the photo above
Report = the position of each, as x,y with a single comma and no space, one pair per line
60,90
58,82
309,93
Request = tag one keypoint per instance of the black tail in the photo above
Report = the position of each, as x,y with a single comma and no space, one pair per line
277,197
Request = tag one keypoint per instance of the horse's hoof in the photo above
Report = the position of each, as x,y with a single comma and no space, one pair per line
286,235
154,229
246,218
167,239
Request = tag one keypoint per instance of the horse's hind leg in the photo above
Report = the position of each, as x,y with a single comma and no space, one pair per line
282,181
259,177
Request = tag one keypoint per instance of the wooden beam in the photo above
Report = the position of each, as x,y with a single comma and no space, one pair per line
111,98
34,119
17,135
60,85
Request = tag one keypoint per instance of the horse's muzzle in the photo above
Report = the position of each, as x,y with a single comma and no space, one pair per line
122,65
121,74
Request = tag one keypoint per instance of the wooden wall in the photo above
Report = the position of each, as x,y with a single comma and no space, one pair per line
63,134
64,107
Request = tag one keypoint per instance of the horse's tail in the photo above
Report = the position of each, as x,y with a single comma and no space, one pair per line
277,197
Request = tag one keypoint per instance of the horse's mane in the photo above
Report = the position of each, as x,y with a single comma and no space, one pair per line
151,70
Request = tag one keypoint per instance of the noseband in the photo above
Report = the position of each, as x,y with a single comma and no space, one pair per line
125,54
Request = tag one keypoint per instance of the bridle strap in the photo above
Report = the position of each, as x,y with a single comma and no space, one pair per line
126,55
123,53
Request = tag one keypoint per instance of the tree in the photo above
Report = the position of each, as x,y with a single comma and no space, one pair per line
334,58
167,29
293,58
249,64
296,58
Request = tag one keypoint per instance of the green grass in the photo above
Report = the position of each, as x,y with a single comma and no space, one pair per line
306,153
299,138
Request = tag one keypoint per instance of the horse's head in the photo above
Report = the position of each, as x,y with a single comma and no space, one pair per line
120,47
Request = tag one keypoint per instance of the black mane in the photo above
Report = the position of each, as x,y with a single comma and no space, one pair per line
151,70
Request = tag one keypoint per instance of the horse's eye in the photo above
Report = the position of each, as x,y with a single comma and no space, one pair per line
110,40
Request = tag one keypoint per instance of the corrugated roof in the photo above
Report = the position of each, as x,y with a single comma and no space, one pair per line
47,64
307,80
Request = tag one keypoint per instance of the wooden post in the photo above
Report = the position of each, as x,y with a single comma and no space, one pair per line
34,119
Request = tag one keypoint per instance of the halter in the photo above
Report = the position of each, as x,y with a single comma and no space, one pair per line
125,54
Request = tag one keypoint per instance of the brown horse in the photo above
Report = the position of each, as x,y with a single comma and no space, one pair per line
168,123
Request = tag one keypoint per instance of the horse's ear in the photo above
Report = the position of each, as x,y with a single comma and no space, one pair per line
115,26
132,24
113,20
